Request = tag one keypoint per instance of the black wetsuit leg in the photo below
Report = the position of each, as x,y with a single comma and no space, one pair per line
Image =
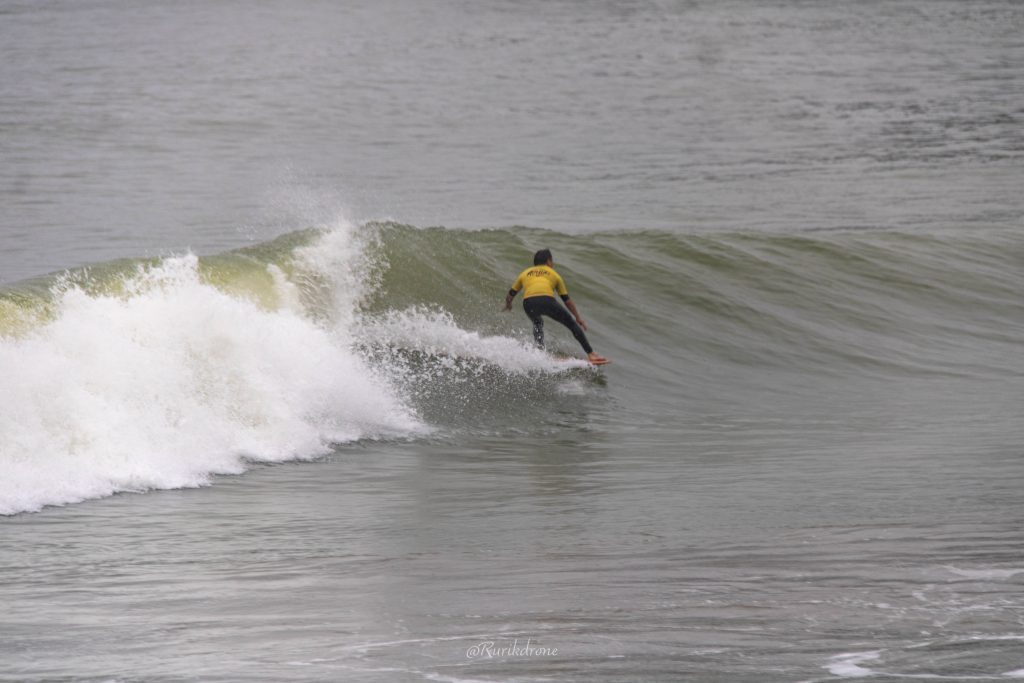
538,306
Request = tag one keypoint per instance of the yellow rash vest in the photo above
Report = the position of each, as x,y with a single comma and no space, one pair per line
540,281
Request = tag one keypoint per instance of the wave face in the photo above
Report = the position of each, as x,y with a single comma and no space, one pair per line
889,303
161,373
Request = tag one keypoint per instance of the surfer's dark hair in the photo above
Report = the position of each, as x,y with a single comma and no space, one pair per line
541,257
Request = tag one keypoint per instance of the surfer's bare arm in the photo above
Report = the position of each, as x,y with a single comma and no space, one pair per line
508,299
572,309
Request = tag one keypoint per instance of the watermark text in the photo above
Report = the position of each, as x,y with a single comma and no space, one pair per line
489,649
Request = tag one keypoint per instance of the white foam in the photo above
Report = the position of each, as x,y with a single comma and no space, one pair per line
337,267
436,333
1019,673
176,381
848,665
986,573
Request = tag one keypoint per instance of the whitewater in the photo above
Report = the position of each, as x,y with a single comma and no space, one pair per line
171,381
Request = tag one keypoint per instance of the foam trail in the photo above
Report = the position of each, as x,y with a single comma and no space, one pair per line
848,665
986,574
173,380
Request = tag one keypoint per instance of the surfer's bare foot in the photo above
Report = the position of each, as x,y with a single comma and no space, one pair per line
596,359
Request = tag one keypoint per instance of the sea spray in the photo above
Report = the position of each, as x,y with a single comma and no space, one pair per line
435,332
464,380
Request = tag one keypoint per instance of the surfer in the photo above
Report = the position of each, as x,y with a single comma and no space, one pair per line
539,284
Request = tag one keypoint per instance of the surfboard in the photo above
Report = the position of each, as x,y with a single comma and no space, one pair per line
566,359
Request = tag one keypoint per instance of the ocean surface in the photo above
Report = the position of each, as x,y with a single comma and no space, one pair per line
263,419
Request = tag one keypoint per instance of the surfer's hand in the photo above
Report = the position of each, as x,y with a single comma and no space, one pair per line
583,325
